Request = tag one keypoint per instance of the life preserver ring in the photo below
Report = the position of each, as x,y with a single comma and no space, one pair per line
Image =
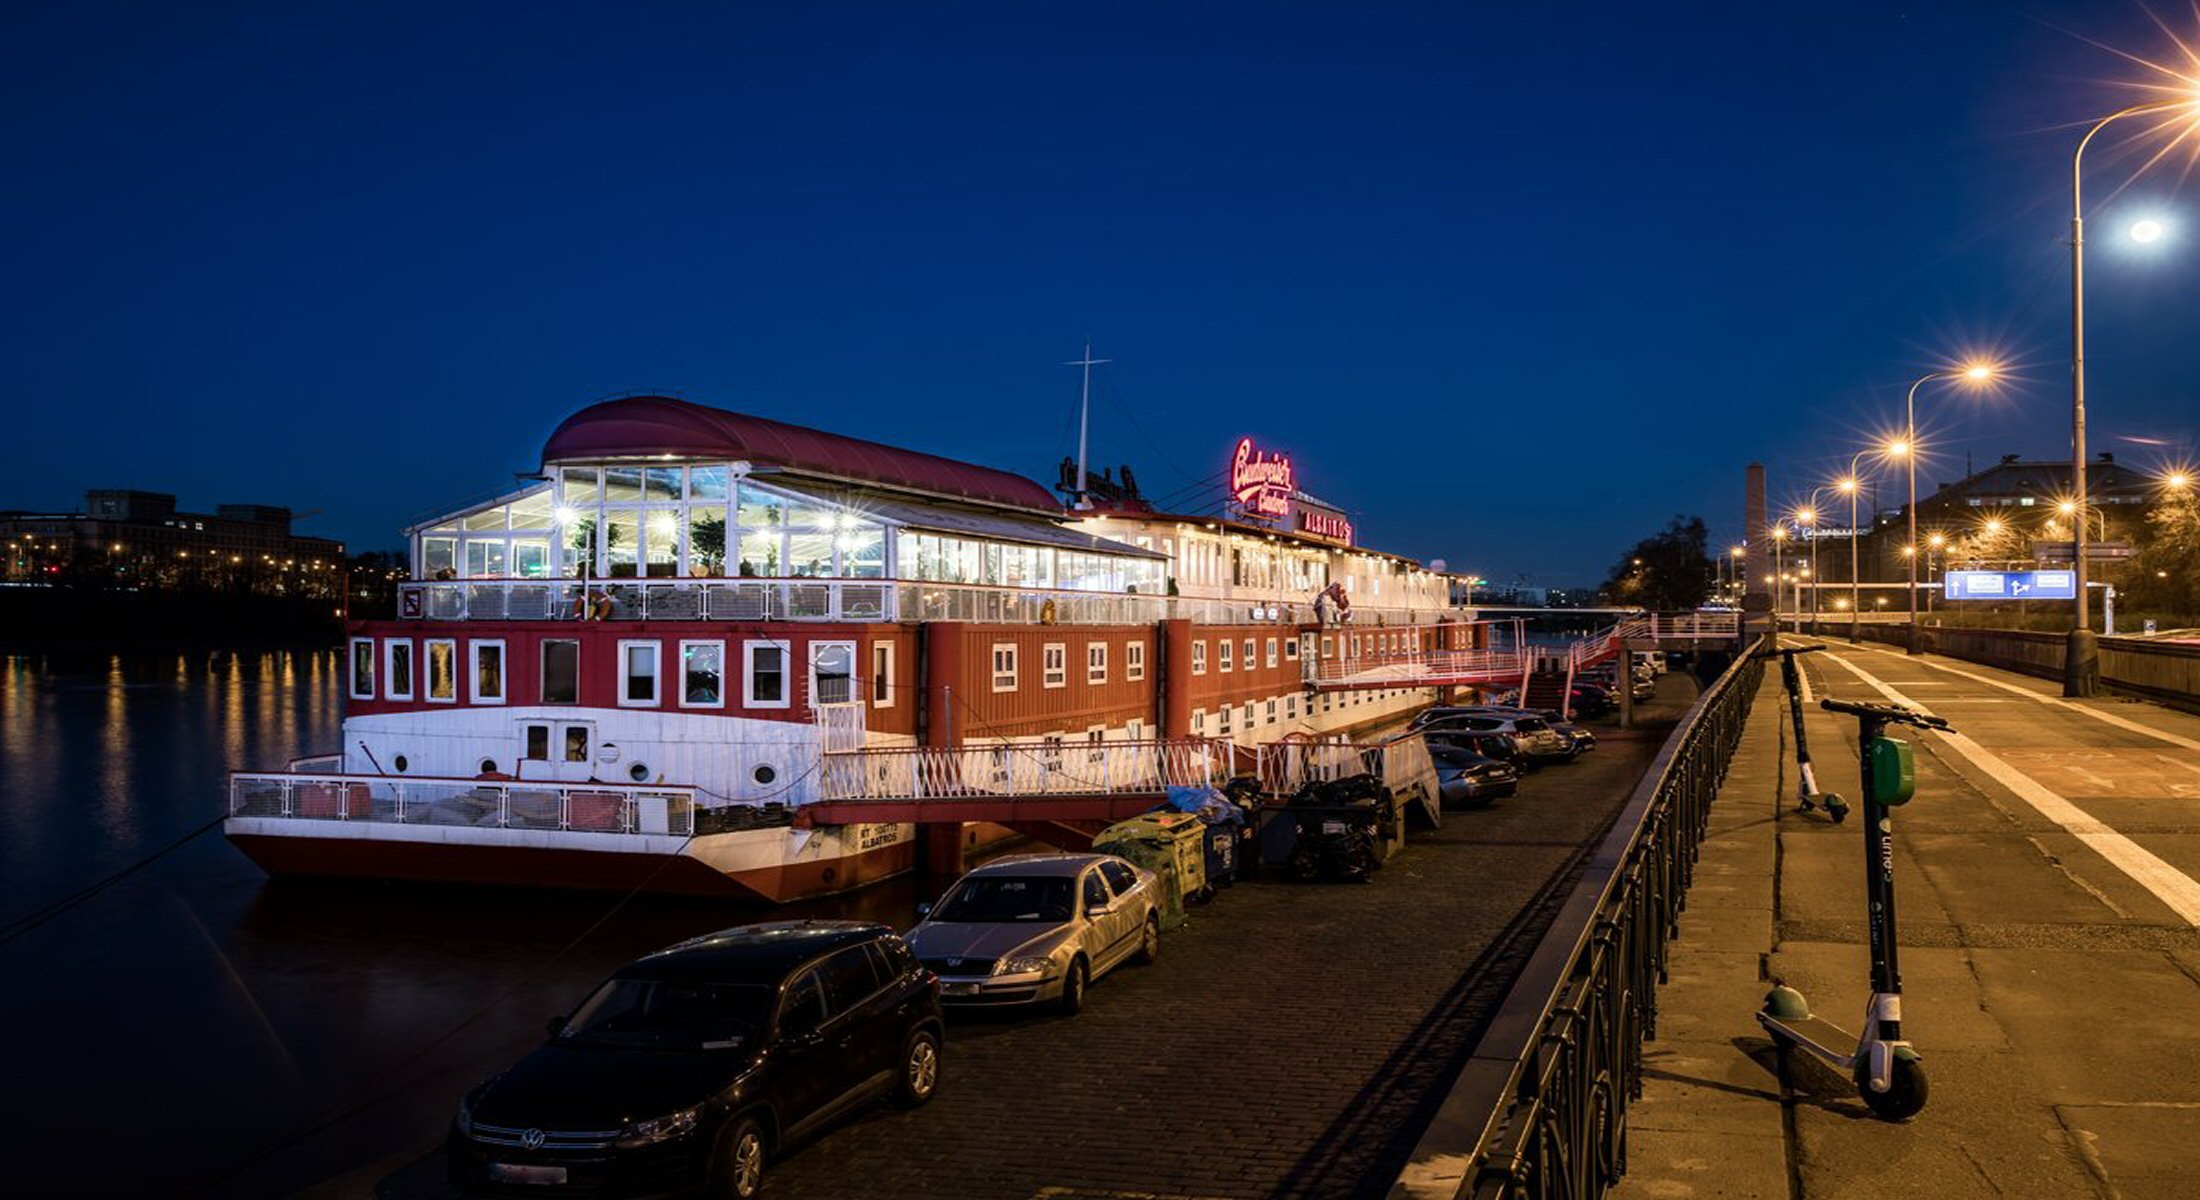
1046,612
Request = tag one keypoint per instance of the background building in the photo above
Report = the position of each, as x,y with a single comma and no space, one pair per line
138,539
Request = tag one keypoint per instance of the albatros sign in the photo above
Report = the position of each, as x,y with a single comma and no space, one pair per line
1262,484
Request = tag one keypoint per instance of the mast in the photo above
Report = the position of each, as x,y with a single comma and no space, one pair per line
1084,419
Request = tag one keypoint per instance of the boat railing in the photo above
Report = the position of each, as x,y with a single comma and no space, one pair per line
867,600
472,803
1015,768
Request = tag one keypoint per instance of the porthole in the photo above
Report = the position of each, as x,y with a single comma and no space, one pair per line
764,773
488,766
639,772
400,763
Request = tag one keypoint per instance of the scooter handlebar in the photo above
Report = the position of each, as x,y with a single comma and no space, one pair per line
1895,713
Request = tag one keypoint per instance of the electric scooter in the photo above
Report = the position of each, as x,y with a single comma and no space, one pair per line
1888,1072
1807,795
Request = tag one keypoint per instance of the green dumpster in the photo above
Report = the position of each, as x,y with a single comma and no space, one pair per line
1172,846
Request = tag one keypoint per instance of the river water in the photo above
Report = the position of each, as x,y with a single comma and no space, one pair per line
195,1028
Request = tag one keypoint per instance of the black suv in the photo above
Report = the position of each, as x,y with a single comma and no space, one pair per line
686,1068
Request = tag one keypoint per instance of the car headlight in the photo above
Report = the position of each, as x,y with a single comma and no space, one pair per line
1025,964
661,1129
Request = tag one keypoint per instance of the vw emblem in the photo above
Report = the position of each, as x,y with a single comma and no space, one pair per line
532,1139
954,962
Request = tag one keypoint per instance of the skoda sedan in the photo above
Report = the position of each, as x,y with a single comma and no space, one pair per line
691,1067
1037,929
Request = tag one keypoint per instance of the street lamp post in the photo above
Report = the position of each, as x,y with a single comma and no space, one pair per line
1852,485
1807,518
1976,373
2081,656
1779,570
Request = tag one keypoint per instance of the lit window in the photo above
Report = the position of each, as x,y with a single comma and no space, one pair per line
1271,652
1249,660
488,679
1004,666
442,671
1199,657
832,672
1096,662
1054,665
1134,661
1228,651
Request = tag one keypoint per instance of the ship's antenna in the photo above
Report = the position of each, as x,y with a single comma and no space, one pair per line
1084,418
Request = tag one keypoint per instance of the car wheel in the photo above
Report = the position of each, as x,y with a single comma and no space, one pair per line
737,1169
1149,942
920,1069
1073,987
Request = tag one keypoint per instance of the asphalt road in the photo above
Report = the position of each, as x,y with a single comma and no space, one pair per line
1288,1043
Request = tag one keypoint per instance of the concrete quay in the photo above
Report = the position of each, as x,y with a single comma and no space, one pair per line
1291,1041
2050,955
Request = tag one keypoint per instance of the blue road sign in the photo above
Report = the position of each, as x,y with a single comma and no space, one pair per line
2011,585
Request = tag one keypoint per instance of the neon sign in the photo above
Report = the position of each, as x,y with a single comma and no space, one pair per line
1261,484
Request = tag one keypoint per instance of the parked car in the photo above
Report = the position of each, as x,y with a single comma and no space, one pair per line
1582,740
1039,928
1503,747
1592,700
1465,779
693,1066
1537,740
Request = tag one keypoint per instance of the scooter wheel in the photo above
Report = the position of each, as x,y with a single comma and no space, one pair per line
1905,1094
1837,808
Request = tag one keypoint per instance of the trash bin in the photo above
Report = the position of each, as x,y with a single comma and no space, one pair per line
1170,844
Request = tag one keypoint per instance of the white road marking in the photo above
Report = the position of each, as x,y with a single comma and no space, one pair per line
2169,885
2058,701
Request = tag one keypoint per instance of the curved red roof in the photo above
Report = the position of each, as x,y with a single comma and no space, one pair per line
638,426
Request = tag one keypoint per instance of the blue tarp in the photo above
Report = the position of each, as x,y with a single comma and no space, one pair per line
1209,803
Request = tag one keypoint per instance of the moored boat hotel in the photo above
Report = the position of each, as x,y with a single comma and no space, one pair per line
642,666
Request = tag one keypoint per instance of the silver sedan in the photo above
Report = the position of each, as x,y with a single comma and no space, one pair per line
1038,929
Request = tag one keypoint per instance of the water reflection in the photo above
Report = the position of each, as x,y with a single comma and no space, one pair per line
242,1010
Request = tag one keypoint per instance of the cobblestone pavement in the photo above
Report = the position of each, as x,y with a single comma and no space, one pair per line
1286,1044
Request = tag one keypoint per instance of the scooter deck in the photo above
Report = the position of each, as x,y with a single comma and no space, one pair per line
1822,1034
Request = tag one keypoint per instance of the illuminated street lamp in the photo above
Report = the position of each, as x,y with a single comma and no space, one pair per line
1975,374
2081,660
1806,517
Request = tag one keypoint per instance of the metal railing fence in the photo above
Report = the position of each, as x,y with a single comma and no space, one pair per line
1015,769
1540,1108
473,803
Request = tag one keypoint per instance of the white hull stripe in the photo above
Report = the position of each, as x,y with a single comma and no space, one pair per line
2169,885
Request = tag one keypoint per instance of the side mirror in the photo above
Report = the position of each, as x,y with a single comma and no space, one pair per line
924,909
554,1026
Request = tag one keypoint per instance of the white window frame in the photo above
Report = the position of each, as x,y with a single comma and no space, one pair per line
1224,729
389,672
1096,743
656,650
374,668
1271,710
1290,708
474,694
1291,648
1134,661
1096,663
1134,729
1004,667
881,682
809,676
1329,649
749,647
1250,651
1054,665
1247,718
717,644
427,683
1272,659
1199,657
1199,722
1226,659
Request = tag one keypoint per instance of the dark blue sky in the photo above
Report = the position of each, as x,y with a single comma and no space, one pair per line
1513,282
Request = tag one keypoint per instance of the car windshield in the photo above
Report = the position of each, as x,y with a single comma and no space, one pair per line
660,1014
989,898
